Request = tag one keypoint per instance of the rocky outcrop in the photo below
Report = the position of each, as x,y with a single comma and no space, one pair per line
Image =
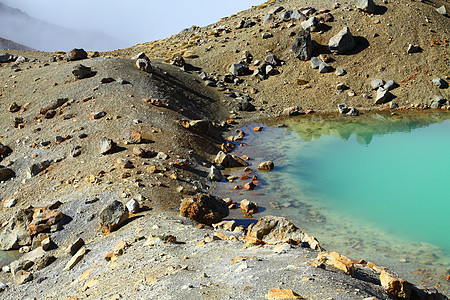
204,208
277,230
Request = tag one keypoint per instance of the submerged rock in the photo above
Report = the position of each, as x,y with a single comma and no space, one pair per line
204,208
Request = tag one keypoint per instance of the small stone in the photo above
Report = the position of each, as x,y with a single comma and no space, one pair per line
112,216
239,69
106,146
315,62
267,35
438,102
367,5
383,96
325,68
266,166
76,151
340,72
80,71
353,112
37,168
11,203
413,49
204,208
120,248
312,24
248,207
278,294
250,186
215,174
389,85
292,111
97,115
177,60
105,80
22,277
76,258
376,83
124,163
133,206
343,108
134,137
440,83
442,10
75,246
14,107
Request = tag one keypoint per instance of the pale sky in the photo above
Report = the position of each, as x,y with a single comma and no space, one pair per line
132,21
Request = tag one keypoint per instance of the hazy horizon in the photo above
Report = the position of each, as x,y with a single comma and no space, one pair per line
135,22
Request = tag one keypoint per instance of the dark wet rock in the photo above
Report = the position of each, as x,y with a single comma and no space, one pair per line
367,5
5,173
312,24
383,96
80,71
76,54
303,46
215,174
277,230
376,83
177,60
106,146
342,42
204,208
229,160
112,216
440,83
438,102
239,69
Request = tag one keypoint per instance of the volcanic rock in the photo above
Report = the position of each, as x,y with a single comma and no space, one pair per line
229,160
239,69
204,208
440,83
80,71
5,173
112,216
367,5
312,24
76,54
303,45
342,42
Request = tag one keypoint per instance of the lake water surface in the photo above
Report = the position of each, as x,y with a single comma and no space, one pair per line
375,187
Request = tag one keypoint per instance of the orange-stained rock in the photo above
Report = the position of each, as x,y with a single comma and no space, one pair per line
249,186
266,166
248,207
204,208
244,177
278,293
395,286
336,260
43,218
257,129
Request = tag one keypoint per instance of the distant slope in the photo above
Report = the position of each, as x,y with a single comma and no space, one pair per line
10,45
18,26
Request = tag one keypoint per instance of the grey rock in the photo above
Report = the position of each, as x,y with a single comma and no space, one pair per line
376,83
106,146
298,15
21,59
440,83
177,60
273,60
393,105
325,68
389,85
442,10
383,96
367,5
312,24
292,111
215,174
112,216
342,42
6,58
340,72
438,102
285,16
80,71
10,203
18,265
23,277
15,234
303,46
245,105
353,112
268,18
239,69
316,62
133,206
343,108
229,160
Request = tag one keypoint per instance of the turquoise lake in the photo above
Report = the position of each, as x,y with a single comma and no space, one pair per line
375,187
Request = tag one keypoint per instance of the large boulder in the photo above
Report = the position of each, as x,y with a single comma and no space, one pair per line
76,54
303,46
112,216
229,160
342,42
204,208
277,230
